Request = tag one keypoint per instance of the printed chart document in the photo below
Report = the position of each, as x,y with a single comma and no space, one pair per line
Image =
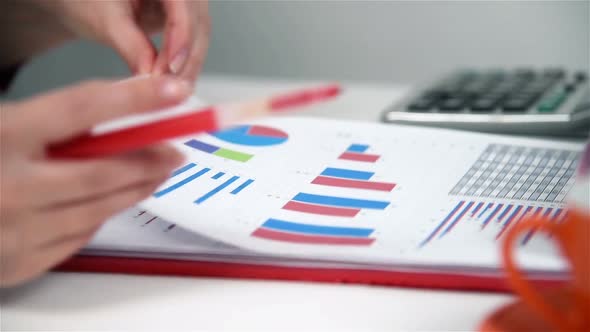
310,192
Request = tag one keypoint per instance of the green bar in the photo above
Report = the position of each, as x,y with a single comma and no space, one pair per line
233,155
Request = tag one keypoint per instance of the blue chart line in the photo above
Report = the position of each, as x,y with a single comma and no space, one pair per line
485,210
530,233
360,148
347,173
442,223
216,190
492,215
459,217
314,229
501,215
181,183
505,212
340,201
218,175
477,207
513,215
242,186
547,212
183,169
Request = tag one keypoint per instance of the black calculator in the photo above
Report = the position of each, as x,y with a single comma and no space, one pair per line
549,101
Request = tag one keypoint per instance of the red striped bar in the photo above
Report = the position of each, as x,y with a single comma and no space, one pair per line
320,209
268,234
358,184
365,157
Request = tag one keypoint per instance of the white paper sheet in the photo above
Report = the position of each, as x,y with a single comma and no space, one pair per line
400,226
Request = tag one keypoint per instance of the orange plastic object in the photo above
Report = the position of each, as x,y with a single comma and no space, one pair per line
564,309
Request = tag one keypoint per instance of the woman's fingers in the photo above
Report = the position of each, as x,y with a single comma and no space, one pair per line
186,38
198,53
81,180
177,37
38,260
131,42
73,111
63,223
49,237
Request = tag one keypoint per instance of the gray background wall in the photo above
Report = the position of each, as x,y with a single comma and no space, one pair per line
387,41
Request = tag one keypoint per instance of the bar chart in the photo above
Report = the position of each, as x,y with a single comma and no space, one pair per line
287,231
347,178
226,182
332,205
358,152
501,215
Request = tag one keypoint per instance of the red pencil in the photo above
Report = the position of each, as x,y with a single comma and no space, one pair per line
209,118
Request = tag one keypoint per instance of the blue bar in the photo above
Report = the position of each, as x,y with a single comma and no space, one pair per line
442,223
505,212
340,201
514,213
556,214
183,169
484,210
288,226
489,218
530,233
181,183
242,186
216,190
547,212
201,146
360,148
218,175
347,173
456,220
477,207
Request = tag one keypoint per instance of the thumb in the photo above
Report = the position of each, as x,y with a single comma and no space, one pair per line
132,44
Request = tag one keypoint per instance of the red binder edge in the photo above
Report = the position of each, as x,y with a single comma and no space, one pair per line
166,267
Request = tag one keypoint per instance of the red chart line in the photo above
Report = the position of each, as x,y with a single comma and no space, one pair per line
311,239
320,209
364,157
357,184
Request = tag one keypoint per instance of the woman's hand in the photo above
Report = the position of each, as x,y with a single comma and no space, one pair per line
125,25
50,208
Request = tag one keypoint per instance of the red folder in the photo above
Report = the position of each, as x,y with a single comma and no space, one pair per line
163,267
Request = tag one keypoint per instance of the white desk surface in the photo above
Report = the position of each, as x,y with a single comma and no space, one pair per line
85,301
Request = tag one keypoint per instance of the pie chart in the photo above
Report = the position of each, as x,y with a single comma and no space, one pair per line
252,135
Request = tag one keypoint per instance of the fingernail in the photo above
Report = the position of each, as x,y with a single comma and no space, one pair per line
178,61
175,89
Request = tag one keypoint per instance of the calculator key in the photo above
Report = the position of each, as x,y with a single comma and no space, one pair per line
525,73
423,104
569,87
530,97
483,104
516,105
554,72
452,104
551,103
